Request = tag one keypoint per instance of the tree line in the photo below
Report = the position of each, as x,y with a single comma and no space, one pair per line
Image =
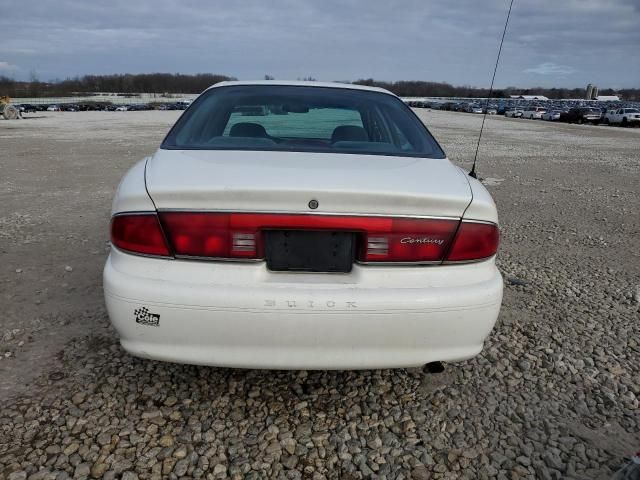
116,83
181,83
405,88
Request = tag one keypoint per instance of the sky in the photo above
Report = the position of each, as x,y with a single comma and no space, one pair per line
549,43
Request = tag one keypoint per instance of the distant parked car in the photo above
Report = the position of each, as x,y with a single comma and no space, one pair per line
490,111
582,115
513,113
27,108
139,107
53,108
121,108
623,116
533,113
474,109
91,107
552,115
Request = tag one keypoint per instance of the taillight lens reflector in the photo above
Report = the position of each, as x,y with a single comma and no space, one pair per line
408,240
139,233
474,241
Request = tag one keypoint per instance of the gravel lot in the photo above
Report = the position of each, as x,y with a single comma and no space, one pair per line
555,394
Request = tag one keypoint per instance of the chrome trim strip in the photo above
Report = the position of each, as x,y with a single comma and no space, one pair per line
466,262
292,212
219,259
304,272
262,260
399,264
136,254
145,212
471,220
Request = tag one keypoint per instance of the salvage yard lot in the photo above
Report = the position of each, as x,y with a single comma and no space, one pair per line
555,394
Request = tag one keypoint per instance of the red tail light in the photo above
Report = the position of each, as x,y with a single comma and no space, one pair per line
474,241
239,235
219,235
138,234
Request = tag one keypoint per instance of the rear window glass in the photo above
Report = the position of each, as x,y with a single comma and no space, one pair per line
300,118
316,123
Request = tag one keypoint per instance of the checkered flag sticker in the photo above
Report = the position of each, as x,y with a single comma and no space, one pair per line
144,317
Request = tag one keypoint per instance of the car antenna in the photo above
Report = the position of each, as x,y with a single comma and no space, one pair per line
472,173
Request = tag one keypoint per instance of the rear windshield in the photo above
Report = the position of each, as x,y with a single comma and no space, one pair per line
302,119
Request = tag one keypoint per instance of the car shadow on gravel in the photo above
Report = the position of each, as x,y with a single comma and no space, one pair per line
100,357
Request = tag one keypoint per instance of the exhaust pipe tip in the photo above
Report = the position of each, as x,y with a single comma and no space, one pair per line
433,367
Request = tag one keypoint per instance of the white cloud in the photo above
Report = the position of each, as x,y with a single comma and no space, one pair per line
550,68
8,67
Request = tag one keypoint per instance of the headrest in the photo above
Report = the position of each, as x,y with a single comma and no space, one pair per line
247,129
349,133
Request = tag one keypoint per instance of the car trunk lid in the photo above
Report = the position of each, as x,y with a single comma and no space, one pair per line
269,181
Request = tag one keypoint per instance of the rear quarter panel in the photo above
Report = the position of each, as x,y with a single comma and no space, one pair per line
482,206
131,195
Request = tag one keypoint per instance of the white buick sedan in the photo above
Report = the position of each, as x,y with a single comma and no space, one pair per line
297,225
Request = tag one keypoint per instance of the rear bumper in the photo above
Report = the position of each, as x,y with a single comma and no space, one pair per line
241,315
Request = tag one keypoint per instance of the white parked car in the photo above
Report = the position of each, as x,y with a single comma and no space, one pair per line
623,116
334,234
533,113
53,108
122,108
513,113
552,115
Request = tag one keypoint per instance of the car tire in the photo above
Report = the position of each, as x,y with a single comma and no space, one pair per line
580,121
625,123
607,122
